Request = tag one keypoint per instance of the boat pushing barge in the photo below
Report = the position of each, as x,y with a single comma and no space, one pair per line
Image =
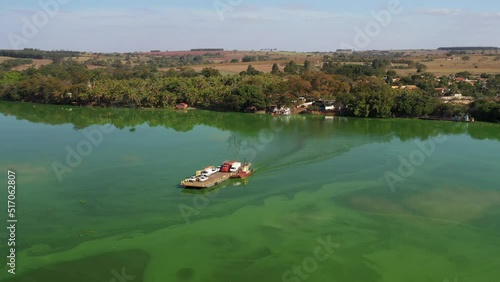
212,176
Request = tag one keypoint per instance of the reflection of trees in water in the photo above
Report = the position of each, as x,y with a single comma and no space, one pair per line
247,126
305,141
486,131
321,139
82,117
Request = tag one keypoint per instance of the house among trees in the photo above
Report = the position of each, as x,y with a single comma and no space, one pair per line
466,80
277,111
406,87
251,110
181,106
411,87
325,105
458,99
442,91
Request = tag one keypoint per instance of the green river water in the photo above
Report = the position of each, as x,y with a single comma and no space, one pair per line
348,200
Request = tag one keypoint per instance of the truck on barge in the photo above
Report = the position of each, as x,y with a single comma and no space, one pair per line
211,176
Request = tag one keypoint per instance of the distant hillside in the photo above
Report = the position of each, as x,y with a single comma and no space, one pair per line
208,50
468,48
38,54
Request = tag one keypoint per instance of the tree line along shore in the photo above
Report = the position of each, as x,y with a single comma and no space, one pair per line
369,89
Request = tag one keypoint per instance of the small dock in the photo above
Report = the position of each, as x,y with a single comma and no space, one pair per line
212,180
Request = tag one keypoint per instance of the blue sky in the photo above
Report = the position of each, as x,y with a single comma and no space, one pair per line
122,26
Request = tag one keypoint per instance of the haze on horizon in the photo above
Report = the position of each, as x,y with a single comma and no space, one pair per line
127,26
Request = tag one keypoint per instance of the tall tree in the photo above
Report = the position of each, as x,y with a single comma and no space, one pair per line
292,68
251,71
208,72
307,66
276,69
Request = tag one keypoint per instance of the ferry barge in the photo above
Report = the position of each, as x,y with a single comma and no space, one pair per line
211,176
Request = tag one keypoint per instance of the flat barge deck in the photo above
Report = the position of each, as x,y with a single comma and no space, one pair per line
211,176
212,180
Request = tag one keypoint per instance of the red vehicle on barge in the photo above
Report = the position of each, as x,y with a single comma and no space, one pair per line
212,176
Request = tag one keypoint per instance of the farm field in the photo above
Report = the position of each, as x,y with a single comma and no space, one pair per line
477,65
235,68
440,66
38,63
436,61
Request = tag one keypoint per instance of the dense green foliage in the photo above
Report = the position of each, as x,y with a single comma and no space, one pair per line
486,110
175,61
415,103
9,64
39,54
477,48
250,58
362,90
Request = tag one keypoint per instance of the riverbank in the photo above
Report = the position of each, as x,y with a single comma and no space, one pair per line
121,210
294,111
